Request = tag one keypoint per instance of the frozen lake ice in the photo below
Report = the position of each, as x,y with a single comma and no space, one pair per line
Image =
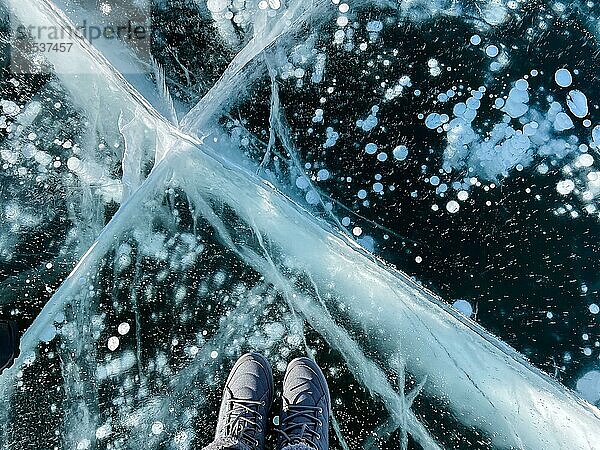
405,191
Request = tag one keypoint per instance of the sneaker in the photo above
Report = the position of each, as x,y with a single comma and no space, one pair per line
304,417
9,343
246,402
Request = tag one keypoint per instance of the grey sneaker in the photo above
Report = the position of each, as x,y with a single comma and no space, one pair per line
304,417
247,398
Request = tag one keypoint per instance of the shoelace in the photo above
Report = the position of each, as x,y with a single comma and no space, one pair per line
239,424
298,432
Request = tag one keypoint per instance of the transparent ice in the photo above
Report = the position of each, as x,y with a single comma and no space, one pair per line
175,235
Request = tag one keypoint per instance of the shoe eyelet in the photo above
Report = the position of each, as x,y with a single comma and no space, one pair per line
262,403
260,417
320,410
318,437
320,423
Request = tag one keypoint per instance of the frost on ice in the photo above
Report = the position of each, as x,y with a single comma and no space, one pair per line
195,217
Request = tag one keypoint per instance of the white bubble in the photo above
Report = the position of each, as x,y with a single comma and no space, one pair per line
584,160
217,6
342,21
123,328
463,195
10,108
214,354
180,437
475,39
357,231
452,206
73,163
594,308
113,343
84,444
103,432
157,428
565,187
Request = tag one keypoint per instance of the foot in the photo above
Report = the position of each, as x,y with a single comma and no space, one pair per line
246,402
304,417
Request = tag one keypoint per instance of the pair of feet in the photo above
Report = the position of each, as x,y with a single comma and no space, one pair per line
247,399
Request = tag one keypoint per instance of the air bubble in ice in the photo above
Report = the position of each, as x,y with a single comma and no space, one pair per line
123,328
491,51
584,160
563,78
312,197
323,174
113,343
103,431
371,148
577,103
562,122
157,428
565,187
452,206
302,182
464,307
400,152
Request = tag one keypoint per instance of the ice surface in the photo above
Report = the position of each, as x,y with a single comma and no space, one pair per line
210,254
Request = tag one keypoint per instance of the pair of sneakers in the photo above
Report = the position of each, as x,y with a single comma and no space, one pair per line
247,397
